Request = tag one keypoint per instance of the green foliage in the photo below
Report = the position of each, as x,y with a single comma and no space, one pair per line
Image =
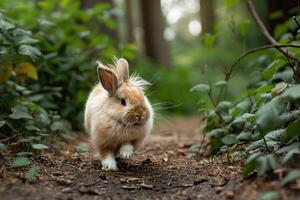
292,176
71,44
21,161
201,88
31,174
266,117
22,118
47,67
269,195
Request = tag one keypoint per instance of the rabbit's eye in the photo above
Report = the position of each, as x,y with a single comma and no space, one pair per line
123,102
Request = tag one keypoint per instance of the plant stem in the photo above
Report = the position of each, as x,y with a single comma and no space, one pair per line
265,142
228,74
265,31
270,46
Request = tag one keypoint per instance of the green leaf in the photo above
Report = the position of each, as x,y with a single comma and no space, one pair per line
21,161
272,138
290,154
292,93
293,130
244,136
249,117
2,123
253,157
31,174
32,128
39,146
25,39
81,148
267,117
229,139
290,177
273,68
20,115
2,146
235,111
62,125
221,84
216,133
278,89
264,89
248,168
269,195
30,51
263,165
202,88
272,159
5,26
20,108
223,106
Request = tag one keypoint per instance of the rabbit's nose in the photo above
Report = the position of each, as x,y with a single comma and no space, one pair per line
138,117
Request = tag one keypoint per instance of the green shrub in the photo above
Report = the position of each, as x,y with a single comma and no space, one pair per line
71,40
265,117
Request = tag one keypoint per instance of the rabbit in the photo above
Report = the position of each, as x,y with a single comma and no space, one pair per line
118,116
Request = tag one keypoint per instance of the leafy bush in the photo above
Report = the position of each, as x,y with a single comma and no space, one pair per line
265,116
46,71
71,39
22,120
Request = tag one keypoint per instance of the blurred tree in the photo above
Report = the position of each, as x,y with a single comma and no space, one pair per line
129,20
282,10
207,15
156,47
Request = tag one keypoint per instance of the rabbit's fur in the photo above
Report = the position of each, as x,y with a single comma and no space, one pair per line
118,115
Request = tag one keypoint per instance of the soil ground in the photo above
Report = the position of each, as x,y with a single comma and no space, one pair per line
165,168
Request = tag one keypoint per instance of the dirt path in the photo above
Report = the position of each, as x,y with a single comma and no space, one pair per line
166,168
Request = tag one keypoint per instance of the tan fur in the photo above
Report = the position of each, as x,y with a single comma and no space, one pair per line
109,123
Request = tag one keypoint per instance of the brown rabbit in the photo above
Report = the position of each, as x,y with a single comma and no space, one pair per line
118,115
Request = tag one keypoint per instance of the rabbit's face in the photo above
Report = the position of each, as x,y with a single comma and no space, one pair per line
134,108
126,102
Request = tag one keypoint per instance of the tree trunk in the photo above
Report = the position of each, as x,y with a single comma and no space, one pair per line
156,47
129,21
207,16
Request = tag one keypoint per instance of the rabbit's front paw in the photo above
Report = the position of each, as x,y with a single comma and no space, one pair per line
109,163
126,151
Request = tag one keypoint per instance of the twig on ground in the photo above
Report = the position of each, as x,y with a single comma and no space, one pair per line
94,183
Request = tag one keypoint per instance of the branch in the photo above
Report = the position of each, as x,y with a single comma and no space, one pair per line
264,30
277,46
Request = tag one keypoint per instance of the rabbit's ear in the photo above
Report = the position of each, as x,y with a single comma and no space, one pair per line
123,69
108,79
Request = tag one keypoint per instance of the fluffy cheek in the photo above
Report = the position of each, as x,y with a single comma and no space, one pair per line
116,112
